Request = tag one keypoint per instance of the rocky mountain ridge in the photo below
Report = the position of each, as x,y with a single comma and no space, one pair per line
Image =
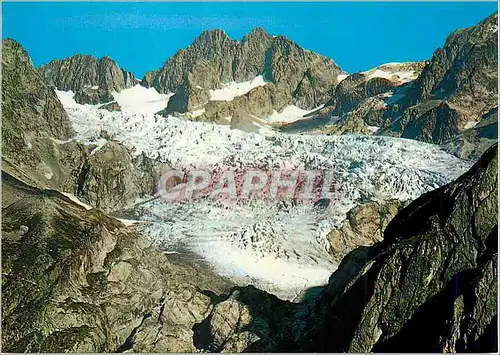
448,100
451,102
37,144
78,280
302,77
92,80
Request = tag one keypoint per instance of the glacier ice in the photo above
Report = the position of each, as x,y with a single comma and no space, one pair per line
278,246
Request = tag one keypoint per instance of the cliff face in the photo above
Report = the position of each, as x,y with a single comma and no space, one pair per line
92,80
430,285
29,106
304,77
456,89
76,280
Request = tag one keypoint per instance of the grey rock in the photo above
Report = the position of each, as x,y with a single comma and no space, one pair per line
92,80
303,77
29,106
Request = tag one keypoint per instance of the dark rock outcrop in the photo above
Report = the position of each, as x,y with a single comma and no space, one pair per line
92,80
29,106
304,77
430,285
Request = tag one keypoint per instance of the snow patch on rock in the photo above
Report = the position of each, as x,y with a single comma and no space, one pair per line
139,99
233,89
76,200
289,114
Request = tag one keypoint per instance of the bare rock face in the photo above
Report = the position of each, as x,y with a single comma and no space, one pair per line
261,101
303,77
92,80
110,179
247,320
364,226
430,285
443,103
457,88
29,106
79,281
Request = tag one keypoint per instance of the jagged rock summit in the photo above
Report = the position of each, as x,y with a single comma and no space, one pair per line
452,101
302,77
92,80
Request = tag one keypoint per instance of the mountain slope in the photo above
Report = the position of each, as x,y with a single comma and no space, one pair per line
92,80
77,280
29,106
430,285
441,101
305,78
37,149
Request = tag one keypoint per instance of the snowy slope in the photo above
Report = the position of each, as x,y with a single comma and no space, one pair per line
274,245
289,114
392,71
233,89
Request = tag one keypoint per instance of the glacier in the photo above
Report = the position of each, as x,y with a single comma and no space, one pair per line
278,246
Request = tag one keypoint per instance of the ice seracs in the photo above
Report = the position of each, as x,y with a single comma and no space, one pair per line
278,246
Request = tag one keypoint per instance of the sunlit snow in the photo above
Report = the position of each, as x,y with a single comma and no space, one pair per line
289,114
470,124
389,71
139,99
76,200
233,89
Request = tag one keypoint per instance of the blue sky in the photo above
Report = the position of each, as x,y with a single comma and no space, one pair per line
141,36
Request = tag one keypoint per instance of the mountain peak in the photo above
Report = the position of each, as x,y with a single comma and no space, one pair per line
257,32
212,34
91,72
